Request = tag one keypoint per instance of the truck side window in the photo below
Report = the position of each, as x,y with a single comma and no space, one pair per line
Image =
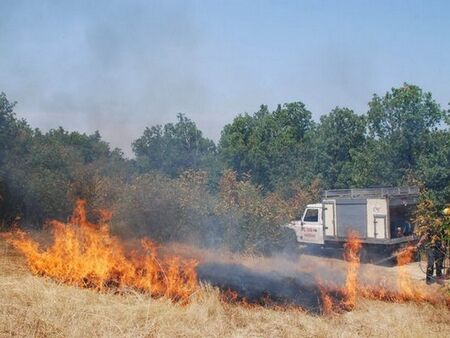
312,215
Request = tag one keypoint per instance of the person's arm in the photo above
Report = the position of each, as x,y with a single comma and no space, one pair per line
422,240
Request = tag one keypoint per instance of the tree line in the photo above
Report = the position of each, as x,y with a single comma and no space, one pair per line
266,166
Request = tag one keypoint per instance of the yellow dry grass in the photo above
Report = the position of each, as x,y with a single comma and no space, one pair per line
32,306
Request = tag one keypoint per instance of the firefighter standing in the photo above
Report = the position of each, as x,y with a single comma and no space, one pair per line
433,237
435,256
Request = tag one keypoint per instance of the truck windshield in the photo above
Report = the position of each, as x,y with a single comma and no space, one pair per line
311,215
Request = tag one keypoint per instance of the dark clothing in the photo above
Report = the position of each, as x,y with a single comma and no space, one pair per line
435,256
407,229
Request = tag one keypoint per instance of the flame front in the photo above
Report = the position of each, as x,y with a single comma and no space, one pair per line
404,283
87,255
407,290
351,255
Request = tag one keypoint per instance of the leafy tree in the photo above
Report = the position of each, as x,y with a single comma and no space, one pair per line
369,166
337,135
401,125
15,139
43,173
7,122
235,142
268,145
428,219
173,149
433,166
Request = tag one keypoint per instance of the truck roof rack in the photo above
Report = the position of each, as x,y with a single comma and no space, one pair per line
371,192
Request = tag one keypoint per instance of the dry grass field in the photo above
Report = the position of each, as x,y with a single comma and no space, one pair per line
32,306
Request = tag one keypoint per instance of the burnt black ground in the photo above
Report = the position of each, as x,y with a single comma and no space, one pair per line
297,289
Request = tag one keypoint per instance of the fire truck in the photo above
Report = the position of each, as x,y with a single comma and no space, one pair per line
380,216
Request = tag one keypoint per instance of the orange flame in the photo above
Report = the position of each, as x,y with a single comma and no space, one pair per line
407,290
87,255
404,282
351,255
327,301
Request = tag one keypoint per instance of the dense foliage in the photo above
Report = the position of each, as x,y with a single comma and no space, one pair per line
173,149
264,169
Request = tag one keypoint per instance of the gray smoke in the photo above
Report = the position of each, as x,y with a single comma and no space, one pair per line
100,65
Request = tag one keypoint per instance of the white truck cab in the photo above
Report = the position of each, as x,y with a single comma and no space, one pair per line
310,228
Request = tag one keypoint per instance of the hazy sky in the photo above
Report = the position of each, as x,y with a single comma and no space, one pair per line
118,66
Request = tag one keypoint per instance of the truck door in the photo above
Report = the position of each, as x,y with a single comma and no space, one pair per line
329,223
379,225
311,230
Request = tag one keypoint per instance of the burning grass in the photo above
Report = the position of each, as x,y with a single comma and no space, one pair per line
39,307
86,255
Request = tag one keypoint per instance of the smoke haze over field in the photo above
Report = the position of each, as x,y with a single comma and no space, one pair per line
120,66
